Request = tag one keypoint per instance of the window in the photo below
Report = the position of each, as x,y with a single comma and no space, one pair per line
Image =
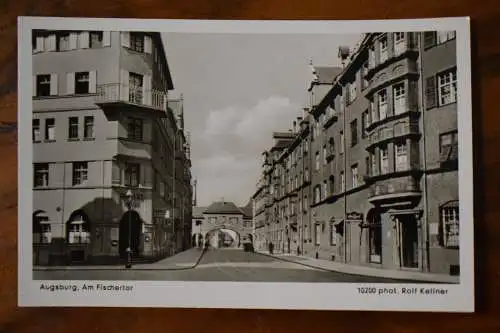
325,154
448,147
401,156
373,168
82,83
63,42
383,49
450,225
354,173
399,98
135,88
382,104
444,36
306,204
73,128
384,160
88,131
333,235
364,73
352,91
342,142
137,41
342,181
354,132
80,173
132,176
50,129
134,130
399,43
317,165
43,85
374,111
46,233
36,130
317,234
447,87
306,174
78,232
325,189
364,124
96,39
371,57
41,175
317,194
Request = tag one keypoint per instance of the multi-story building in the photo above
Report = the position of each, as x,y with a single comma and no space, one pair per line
111,160
383,158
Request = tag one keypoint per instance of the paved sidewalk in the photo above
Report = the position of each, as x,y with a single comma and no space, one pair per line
365,270
180,260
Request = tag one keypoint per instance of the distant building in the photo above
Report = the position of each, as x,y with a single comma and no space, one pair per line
103,125
370,176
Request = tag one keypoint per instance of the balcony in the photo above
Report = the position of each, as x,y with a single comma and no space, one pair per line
395,191
397,130
116,94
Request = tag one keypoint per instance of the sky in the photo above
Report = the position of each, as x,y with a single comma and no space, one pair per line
238,89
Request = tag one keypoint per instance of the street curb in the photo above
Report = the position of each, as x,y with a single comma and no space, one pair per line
121,268
416,280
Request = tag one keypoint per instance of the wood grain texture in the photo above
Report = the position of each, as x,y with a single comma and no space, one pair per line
485,15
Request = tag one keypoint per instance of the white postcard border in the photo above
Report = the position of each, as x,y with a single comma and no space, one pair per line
335,296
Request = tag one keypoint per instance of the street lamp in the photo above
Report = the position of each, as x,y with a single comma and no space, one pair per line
129,249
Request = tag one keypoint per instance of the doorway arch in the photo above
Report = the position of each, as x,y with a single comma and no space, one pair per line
223,238
130,231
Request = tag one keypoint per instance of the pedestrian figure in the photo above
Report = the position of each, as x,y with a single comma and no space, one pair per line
271,248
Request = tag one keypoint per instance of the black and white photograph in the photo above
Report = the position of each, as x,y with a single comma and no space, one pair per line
246,164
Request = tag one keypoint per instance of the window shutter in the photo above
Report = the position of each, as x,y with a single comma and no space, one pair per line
73,37
125,37
70,83
124,85
92,82
430,92
429,39
53,84
34,86
106,38
84,40
148,44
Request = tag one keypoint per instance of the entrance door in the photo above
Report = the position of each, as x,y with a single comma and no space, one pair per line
408,241
130,233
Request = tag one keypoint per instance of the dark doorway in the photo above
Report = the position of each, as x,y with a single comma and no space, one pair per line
408,238
375,236
130,231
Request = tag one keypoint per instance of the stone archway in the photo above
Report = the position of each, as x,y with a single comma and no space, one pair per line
130,233
223,238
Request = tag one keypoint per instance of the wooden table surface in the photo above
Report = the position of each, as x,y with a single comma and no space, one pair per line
485,19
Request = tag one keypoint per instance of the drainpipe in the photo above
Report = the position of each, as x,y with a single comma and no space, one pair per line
424,227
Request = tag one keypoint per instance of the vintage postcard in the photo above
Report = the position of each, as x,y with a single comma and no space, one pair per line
246,164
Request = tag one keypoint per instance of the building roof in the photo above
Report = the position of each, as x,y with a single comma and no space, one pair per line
223,207
326,75
247,210
198,211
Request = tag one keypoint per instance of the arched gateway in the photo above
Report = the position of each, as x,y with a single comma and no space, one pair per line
225,225
130,233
